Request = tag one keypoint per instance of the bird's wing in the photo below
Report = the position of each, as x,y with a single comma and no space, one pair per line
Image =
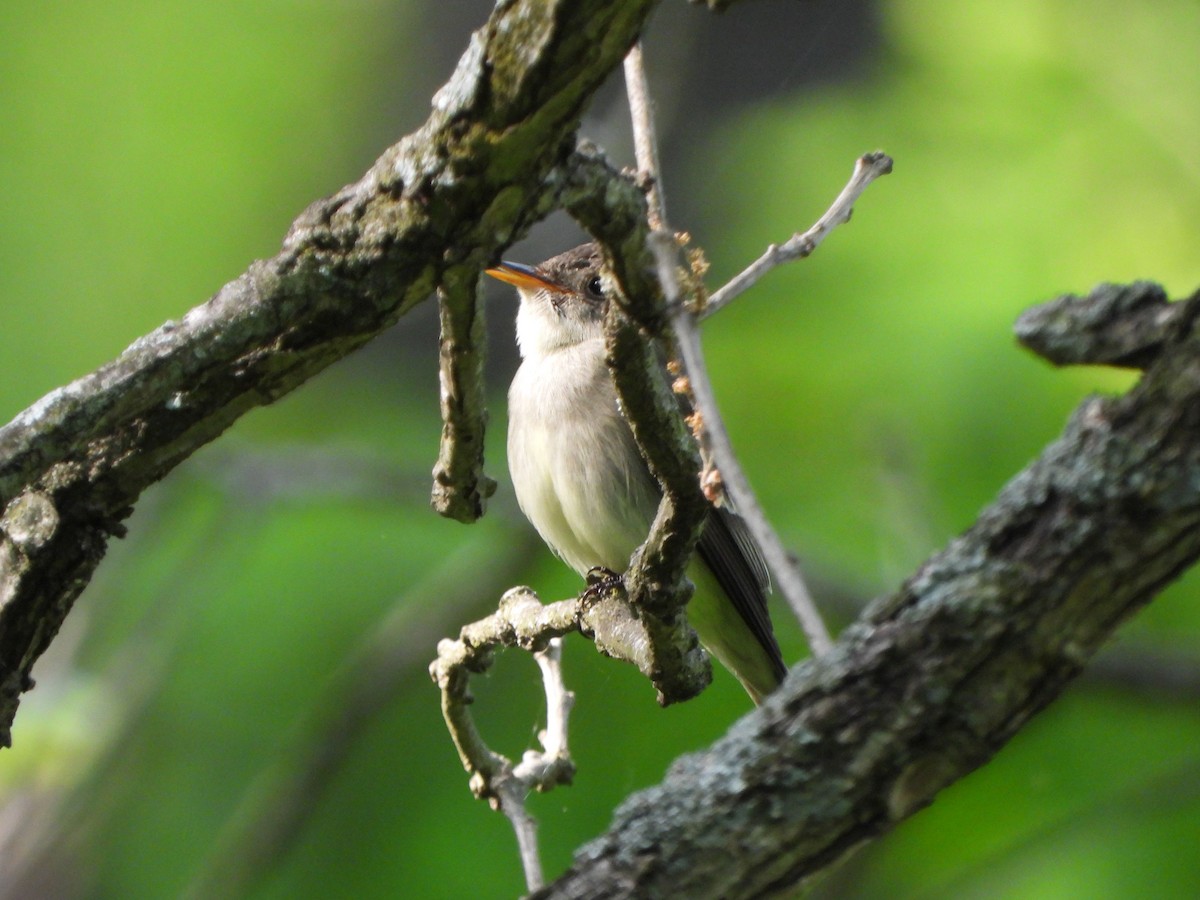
733,556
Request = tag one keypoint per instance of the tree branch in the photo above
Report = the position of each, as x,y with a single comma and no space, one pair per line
933,680
432,211
460,489
923,689
1116,325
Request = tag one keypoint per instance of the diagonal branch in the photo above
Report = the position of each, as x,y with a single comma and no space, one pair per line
933,680
788,577
433,210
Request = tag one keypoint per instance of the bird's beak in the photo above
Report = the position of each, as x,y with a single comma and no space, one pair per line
523,276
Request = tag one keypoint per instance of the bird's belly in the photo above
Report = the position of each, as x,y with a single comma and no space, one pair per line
580,481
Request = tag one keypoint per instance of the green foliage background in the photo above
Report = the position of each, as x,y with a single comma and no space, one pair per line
151,151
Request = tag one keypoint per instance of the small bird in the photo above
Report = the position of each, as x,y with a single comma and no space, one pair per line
581,481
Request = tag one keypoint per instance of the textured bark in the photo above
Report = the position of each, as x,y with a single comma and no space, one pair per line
460,489
432,211
933,680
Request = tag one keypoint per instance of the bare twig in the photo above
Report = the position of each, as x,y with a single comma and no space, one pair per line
789,581
521,621
645,141
866,169
602,614
788,578
645,136
510,797
537,769
558,699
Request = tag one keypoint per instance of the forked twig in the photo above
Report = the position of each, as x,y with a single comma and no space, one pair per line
602,613
521,621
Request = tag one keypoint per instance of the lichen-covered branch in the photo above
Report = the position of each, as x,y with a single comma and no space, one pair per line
611,205
603,613
521,621
933,680
439,204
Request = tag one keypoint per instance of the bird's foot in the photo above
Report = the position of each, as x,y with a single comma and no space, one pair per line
601,580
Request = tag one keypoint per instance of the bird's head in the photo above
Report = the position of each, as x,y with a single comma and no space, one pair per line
562,299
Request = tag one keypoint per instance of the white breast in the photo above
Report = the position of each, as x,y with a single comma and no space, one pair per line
574,465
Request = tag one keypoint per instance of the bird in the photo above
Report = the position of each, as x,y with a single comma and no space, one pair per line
581,481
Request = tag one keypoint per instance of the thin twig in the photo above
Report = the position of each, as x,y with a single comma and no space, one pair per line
537,768
866,169
521,621
645,140
559,700
510,797
788,578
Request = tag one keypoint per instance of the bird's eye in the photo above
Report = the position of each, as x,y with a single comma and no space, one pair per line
595,286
